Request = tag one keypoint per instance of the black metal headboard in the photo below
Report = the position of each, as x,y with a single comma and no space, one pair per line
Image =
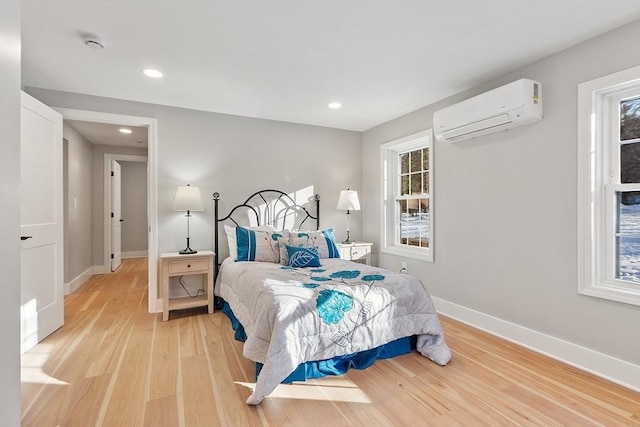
272,207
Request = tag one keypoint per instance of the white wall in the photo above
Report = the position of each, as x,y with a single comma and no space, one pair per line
134,207
505,217
78,216
234,156
10,213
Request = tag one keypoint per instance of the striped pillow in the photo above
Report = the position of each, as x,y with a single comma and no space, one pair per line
255,245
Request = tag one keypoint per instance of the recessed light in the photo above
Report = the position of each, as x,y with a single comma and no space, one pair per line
125,130
335,105
150,72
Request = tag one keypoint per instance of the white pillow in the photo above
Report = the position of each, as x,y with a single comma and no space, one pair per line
231,237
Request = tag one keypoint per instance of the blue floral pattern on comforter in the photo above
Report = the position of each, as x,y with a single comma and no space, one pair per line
295,315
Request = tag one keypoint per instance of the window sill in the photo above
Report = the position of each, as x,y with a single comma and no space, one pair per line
418,253
617,293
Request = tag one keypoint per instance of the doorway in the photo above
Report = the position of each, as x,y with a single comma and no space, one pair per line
151,125
124,221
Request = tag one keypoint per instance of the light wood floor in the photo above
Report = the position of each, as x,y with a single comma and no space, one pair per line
113,364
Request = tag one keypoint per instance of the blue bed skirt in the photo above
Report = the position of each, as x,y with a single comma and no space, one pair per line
339,365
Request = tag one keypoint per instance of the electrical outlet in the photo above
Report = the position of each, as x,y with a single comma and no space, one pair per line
404,267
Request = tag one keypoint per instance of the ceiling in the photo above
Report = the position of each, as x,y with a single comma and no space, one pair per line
287,60
108,134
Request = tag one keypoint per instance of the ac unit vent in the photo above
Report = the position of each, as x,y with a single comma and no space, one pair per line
516,104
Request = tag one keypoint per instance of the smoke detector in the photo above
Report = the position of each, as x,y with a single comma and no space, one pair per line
92,41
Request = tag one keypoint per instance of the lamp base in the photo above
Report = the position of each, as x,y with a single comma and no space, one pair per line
348,241
187,251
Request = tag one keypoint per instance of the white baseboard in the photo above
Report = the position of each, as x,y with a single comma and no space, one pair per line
608,367
72,286
135,254
101,269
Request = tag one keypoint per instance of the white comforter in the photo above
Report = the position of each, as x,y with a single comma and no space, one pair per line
296,315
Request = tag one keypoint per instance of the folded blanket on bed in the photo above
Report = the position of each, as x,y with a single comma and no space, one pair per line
295,315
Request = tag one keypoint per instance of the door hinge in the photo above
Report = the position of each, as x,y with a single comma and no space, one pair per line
111,256
111,214
111,173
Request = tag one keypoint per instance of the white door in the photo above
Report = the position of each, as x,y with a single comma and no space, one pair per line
116,215
41,258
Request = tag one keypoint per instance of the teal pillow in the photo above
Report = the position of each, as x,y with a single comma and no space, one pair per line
303,257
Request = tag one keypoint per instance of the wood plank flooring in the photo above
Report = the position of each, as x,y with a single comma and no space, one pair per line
114,364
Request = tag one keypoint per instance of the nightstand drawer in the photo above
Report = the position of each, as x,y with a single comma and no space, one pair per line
359,251
356,251
187,265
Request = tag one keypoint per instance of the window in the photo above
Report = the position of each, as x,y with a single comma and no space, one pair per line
407,189
609,187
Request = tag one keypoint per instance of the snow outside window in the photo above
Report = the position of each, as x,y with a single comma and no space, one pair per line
609,187
407,189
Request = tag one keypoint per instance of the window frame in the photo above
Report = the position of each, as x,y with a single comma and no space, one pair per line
390,190
598,124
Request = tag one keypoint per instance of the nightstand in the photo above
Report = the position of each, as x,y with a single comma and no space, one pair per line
356,251
174,264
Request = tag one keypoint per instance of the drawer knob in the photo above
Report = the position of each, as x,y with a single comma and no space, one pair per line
188,265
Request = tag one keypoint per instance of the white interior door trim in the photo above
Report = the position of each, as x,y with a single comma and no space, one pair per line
152,182
108,202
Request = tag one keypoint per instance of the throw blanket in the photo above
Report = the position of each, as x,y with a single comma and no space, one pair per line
295,315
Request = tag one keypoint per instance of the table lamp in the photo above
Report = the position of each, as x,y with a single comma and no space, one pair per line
348,201
188,199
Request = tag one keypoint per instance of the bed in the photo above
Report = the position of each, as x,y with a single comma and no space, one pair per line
303,312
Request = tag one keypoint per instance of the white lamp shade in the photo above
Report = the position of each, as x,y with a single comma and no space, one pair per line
188,198
348,201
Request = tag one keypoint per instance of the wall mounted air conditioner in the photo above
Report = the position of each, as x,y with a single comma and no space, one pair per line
515,104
